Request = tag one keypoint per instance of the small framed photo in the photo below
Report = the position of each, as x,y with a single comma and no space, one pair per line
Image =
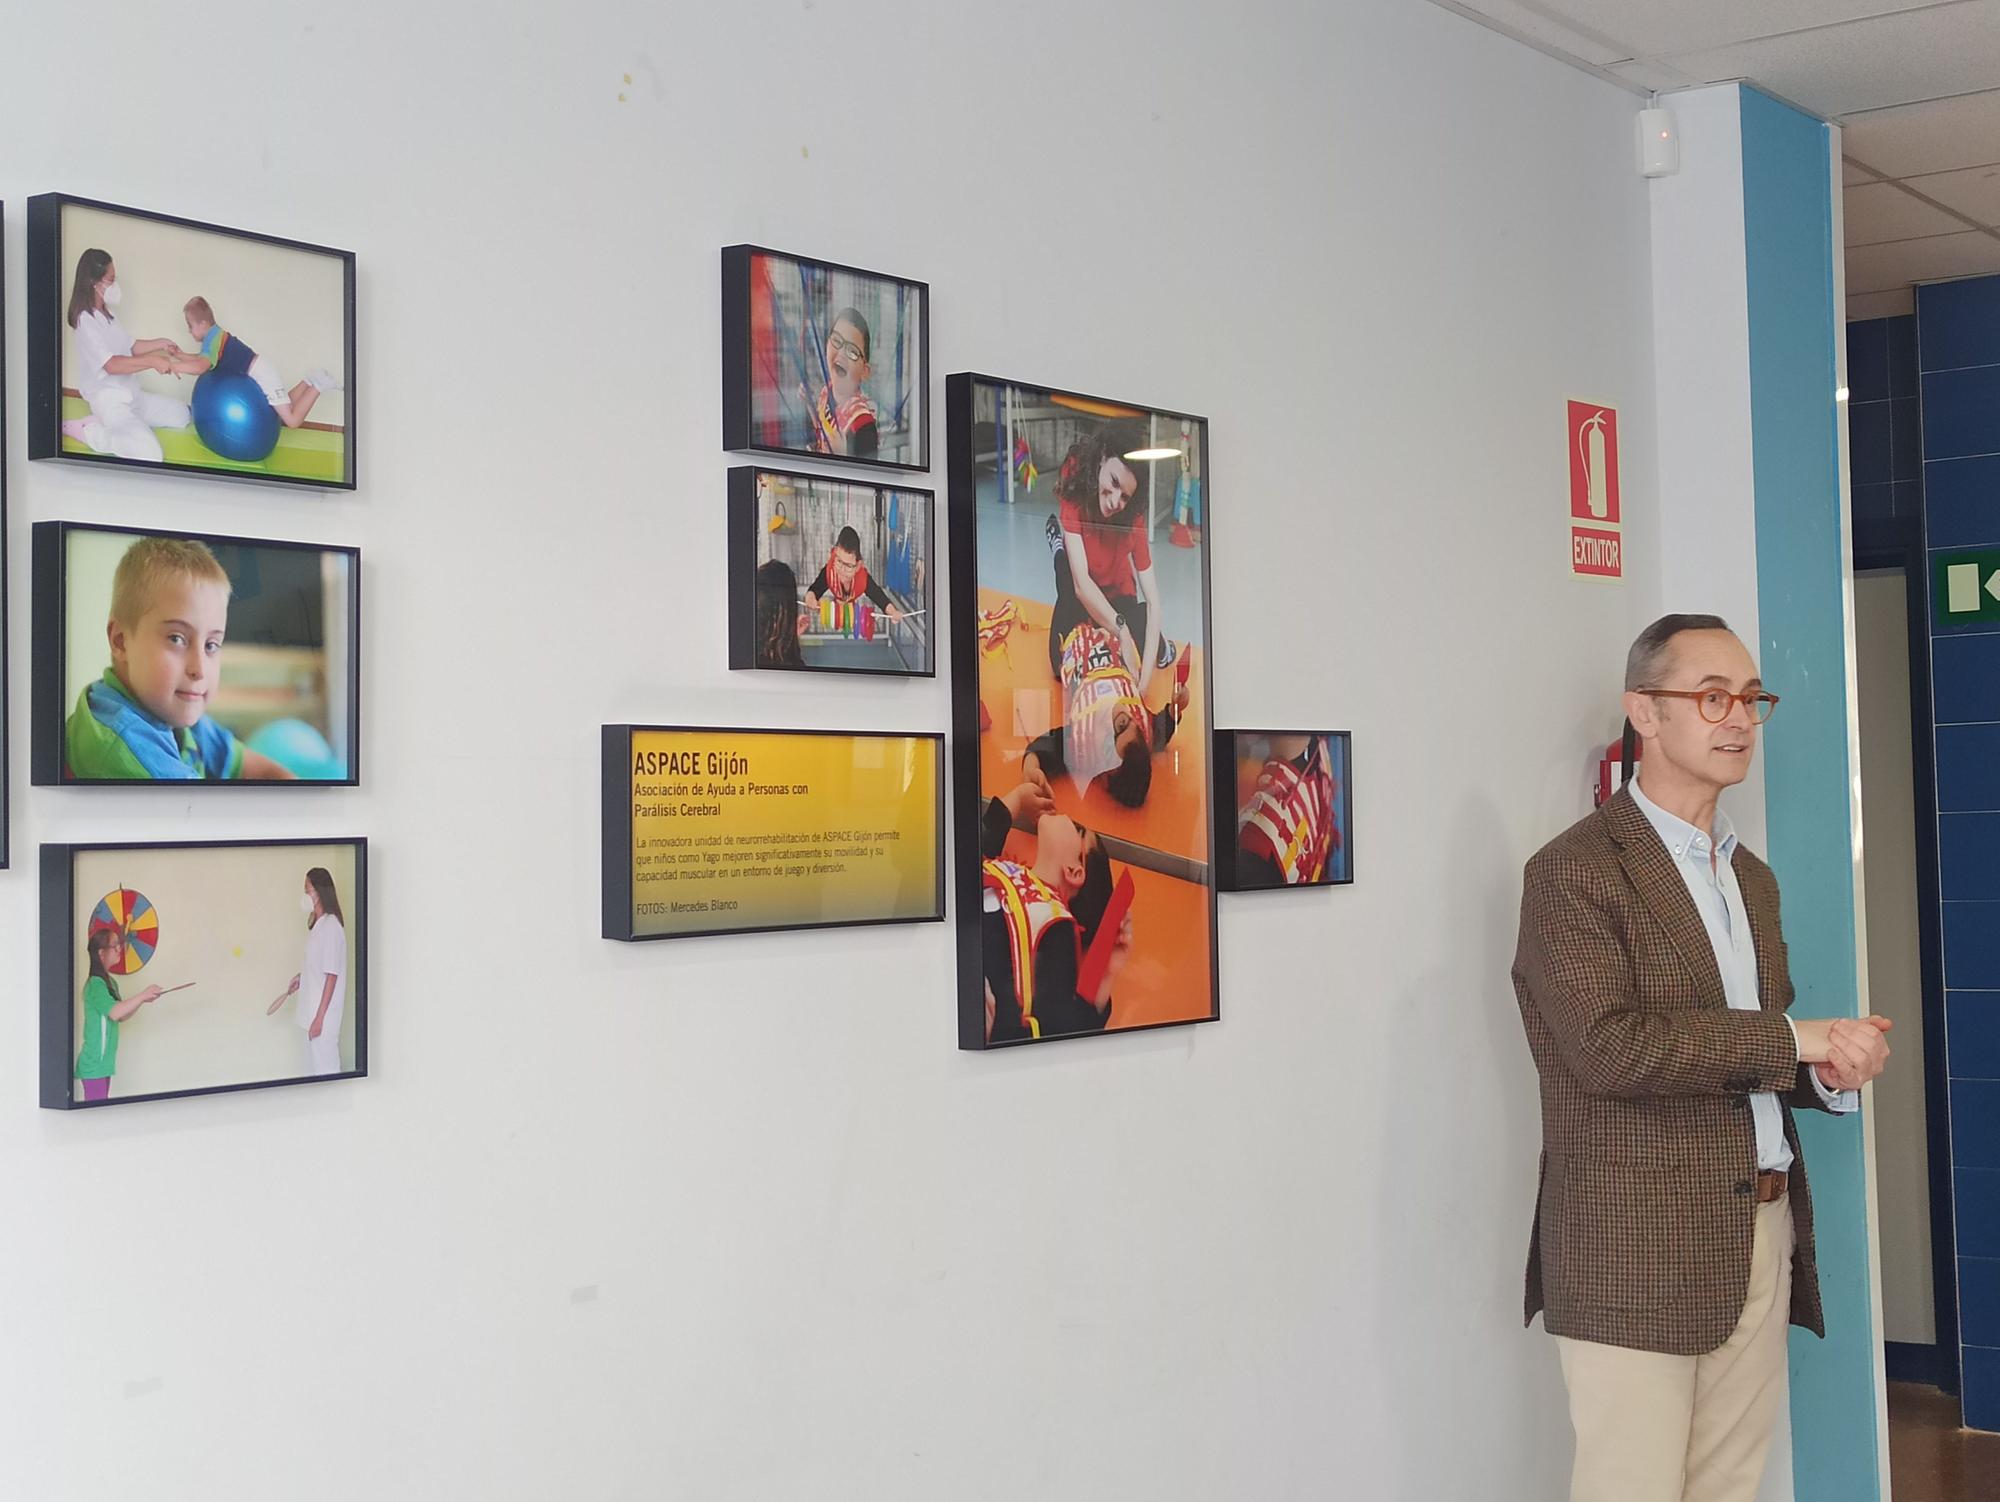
1284,802
6,614
829,576
190,658
191,969
824,361
158,342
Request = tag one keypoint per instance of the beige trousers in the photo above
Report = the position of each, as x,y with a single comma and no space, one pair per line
1654,1428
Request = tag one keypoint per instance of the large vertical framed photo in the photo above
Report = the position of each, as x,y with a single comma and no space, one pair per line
829,575
196,968
159,342
1284,809
1085,878
709,830
824,361
193,659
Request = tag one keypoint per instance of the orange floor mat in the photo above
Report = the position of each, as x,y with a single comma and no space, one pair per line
1024,699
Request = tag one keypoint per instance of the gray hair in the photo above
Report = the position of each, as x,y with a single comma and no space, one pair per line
1648,657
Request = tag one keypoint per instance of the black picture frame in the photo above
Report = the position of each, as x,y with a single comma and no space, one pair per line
49,676
6,599
59,961
739,373
615,743
745,526
964,460
46,293
1231,874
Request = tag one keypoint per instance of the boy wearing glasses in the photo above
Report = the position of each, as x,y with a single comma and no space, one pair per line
1673,1235
843,416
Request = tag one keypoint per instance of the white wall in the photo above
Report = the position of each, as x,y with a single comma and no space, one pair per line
1895,974
733,1219
1706,540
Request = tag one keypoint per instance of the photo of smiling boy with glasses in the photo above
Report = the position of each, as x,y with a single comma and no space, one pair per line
824,360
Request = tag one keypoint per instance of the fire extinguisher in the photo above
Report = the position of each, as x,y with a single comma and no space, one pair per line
1616,766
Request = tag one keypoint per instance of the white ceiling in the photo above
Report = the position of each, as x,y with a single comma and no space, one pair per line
1914,86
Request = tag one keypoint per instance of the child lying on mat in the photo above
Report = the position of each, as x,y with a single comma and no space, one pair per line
1039,921
228,354
147,718
1107,729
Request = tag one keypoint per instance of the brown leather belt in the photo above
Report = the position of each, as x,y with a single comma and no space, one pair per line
1770,1186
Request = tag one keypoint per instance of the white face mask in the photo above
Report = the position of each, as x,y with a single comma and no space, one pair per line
113,295
306,903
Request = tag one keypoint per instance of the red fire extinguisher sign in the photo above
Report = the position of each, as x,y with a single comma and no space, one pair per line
1596,521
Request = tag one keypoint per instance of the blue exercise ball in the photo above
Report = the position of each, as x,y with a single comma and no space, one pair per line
298,748
234,417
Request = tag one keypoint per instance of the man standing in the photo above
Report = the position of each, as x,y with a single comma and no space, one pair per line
1673,1238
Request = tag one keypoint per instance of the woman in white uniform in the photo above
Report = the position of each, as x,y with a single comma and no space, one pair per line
109,363
321,984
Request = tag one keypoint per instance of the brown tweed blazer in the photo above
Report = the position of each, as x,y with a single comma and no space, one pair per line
1647,1203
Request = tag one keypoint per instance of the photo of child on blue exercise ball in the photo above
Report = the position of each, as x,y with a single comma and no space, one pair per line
193,659
188,347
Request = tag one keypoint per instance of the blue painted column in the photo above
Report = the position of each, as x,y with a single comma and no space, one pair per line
1801,603
1958,356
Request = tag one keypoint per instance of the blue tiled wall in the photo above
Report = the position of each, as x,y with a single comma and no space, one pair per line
1958,365
1885,456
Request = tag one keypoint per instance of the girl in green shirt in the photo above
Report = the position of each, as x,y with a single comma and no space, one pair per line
103,1010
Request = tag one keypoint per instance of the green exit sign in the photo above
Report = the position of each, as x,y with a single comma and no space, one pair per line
1965,587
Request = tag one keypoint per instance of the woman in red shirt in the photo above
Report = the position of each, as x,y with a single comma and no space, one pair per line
1103,556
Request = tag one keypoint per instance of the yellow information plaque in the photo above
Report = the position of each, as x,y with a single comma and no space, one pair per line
710,831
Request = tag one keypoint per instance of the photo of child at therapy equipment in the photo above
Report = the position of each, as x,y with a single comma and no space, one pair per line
187,659
1092,649
836,362
858,558
176,340
183,948
1292,808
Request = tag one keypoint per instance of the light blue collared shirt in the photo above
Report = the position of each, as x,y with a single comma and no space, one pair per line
1706,862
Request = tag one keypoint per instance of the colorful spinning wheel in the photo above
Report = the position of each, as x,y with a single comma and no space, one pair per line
133,917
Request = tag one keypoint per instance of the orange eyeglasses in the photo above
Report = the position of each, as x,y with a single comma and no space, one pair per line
1714,702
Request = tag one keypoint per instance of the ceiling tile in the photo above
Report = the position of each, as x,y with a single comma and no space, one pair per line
1938,136
1865,65
1875,212
1653,29
1878,268
1892,304
1851,174
1974,192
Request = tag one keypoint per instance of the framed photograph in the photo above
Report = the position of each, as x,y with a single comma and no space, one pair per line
190,969
191,658
6,613
830,576
718,831
1081,709
163,343
824,361
1284,809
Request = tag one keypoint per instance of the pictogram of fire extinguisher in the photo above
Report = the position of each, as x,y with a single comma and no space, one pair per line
1590,448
